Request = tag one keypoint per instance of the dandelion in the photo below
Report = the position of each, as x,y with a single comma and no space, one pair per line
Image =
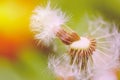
91,55
98,50
88,56
45,21
81,50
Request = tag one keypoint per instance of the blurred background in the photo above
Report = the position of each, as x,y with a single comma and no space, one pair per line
20,56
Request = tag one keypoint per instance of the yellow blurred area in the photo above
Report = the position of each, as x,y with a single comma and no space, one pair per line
14,24
14,16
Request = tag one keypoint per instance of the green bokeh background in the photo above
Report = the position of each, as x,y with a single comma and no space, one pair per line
32,63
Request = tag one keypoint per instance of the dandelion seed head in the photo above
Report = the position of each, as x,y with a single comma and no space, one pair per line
81,50
45,21
105,54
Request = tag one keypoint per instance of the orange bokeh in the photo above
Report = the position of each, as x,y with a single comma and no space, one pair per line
14,25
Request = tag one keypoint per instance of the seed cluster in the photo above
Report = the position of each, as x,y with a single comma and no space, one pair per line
66,37
82,54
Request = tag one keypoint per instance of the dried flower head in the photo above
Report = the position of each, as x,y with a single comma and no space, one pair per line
81,50
90,55
45,21
96,51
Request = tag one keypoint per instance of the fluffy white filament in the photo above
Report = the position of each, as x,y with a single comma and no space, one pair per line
61,67
106,55
104,58
45,21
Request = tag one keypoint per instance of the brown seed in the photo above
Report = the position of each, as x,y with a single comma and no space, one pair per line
67,37
82,53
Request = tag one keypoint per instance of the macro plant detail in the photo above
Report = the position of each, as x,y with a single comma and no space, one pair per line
45,22
81,51
67,36
88,55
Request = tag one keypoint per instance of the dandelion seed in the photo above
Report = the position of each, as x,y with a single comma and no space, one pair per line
90,55
67,35
45,21
61,68
82,49
97,52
